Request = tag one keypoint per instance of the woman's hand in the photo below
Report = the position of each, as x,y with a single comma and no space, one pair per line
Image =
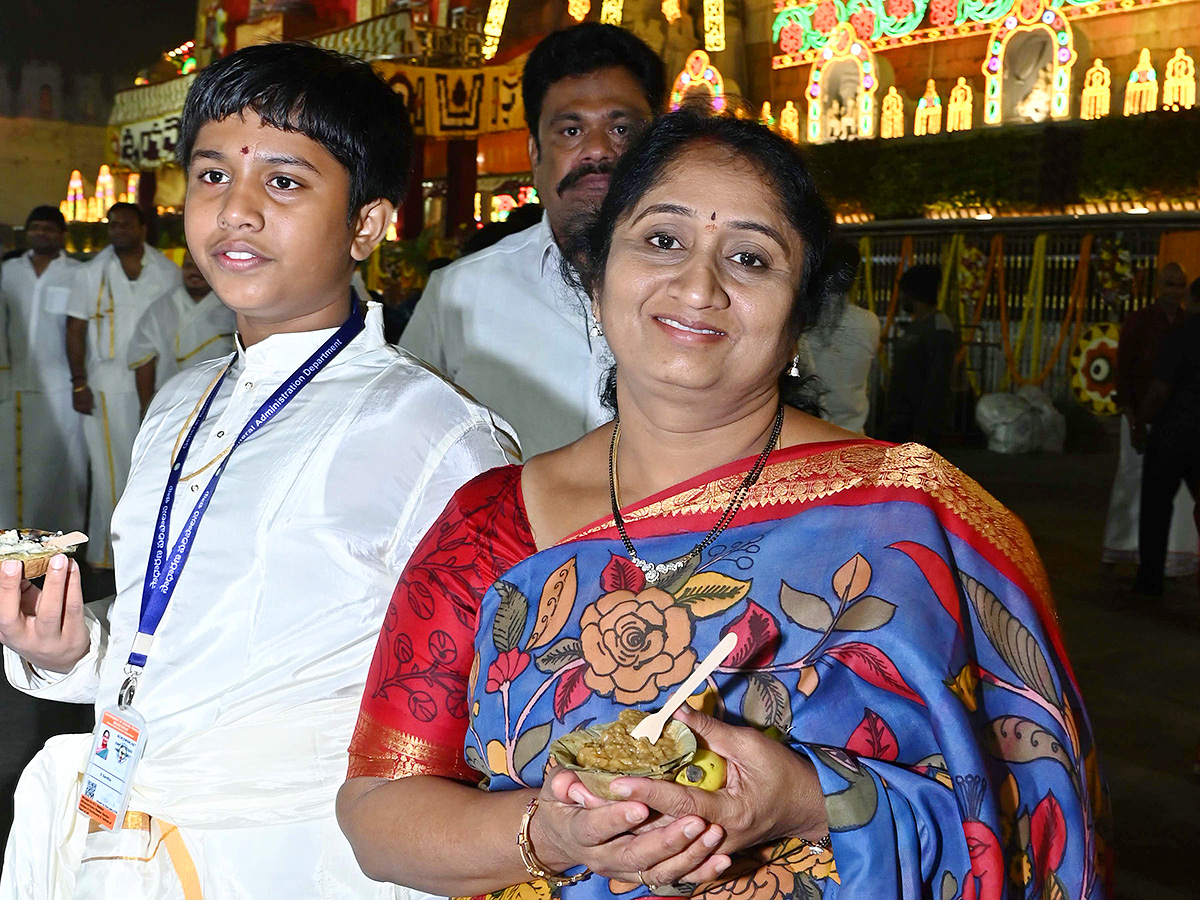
622,840
46,628
770,791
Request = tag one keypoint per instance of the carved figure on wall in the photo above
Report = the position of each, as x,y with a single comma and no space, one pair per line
1097,92
833,120
789,122
928,119
1035,106
1179,88
958,114
891,120
1141,93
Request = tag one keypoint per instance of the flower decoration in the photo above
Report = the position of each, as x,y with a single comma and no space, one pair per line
943,12
791,38
863,21
825,17
898,9
508,665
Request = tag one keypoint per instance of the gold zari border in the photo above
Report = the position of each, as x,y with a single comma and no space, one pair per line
396,754
821,475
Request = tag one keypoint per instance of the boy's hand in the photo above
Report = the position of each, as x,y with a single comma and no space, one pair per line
46,628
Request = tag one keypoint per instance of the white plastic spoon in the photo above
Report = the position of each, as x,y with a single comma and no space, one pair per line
651,727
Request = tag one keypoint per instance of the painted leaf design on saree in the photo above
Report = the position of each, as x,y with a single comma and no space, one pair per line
677,579
511,614
1047,833
949,886
1053,889
855,805
806,888
710,593
806,610
873,666
554,609
529,745
766,702
852,578
474,760
571,691
758,638
873,738
621,575
562,653
866,614
1014,642
937,573
1019,740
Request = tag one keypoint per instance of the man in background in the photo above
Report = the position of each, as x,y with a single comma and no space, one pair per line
503,323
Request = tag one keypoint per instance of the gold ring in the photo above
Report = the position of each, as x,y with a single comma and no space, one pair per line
649,887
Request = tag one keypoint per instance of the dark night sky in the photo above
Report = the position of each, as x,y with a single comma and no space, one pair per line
114,38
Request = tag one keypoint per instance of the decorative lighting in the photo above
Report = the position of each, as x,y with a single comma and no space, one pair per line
611,11
699,74
1138,210
132,185
983,216
493,27
714,25
891,120
1179,86
74,208
843,46
104,191
1061,39
789,122
764,115
1141,91
958,111
671,11
928,119
579,9
1097,92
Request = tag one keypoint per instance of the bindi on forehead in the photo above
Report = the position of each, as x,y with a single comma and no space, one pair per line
245,151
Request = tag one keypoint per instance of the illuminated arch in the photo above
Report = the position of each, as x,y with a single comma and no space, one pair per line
698,73
844,44
1029,17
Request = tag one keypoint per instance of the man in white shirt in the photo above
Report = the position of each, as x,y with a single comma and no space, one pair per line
842,349
502,323
181,329
111,293
45,444
250,682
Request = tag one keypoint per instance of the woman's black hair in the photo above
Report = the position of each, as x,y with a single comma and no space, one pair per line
782,167
336,100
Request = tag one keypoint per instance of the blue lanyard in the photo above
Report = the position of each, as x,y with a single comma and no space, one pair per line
161,580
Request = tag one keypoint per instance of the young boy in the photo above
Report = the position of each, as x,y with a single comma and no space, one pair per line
296,159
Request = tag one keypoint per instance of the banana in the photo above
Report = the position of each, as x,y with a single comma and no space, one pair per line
706,771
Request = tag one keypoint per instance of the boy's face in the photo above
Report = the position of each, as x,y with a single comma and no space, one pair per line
266,222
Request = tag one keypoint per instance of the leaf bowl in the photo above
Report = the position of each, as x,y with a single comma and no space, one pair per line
598,781
36,561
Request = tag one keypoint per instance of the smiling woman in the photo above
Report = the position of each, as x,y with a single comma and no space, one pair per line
898,691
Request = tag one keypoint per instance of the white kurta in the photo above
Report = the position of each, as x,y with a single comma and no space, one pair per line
254,679
49,457
111,304
8,462
1121,526
842,357
504,326
179,332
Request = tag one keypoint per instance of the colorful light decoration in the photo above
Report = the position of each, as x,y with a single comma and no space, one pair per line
699,74
493,27
611,11
928,119
578,9
1179,85
1097,92
183,57
671,11
764,115
104,191
960,107
891,119
132,186
1029,16
843,45
1141,92
74,208
789,122
714,25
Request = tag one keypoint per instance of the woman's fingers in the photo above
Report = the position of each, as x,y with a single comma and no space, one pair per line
680,849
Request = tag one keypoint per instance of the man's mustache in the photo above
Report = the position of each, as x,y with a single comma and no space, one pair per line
575,176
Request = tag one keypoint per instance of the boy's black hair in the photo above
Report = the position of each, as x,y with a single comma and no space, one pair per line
584,49
922,283
336,100
132,208
51,214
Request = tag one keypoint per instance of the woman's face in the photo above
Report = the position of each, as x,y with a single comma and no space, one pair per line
700,282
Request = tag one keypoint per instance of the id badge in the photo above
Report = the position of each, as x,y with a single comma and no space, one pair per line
117,746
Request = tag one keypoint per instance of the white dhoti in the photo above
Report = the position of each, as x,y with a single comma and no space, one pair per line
1121,527
51,462
217,816
8,460
109,433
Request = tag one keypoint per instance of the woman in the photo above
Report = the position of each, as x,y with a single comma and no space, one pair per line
894,623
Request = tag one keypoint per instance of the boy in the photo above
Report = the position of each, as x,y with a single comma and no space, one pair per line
296,158
183,328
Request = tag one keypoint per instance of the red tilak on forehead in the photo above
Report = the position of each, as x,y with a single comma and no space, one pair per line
245,151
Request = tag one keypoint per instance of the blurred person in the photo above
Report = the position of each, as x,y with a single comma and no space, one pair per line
901,643
1142,335
44,450
110,294
503,324
842,347
922,362
300,473
181,329
1166,431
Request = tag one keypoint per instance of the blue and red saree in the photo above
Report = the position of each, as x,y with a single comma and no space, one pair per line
895,626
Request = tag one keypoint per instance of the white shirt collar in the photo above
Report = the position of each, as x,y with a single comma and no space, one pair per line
549,255
285,352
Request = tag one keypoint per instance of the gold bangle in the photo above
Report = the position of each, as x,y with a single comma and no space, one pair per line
532,864
80,389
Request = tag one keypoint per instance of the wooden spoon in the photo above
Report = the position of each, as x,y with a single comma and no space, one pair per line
70,539
651,727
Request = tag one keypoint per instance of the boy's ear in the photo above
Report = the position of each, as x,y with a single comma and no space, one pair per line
370,227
